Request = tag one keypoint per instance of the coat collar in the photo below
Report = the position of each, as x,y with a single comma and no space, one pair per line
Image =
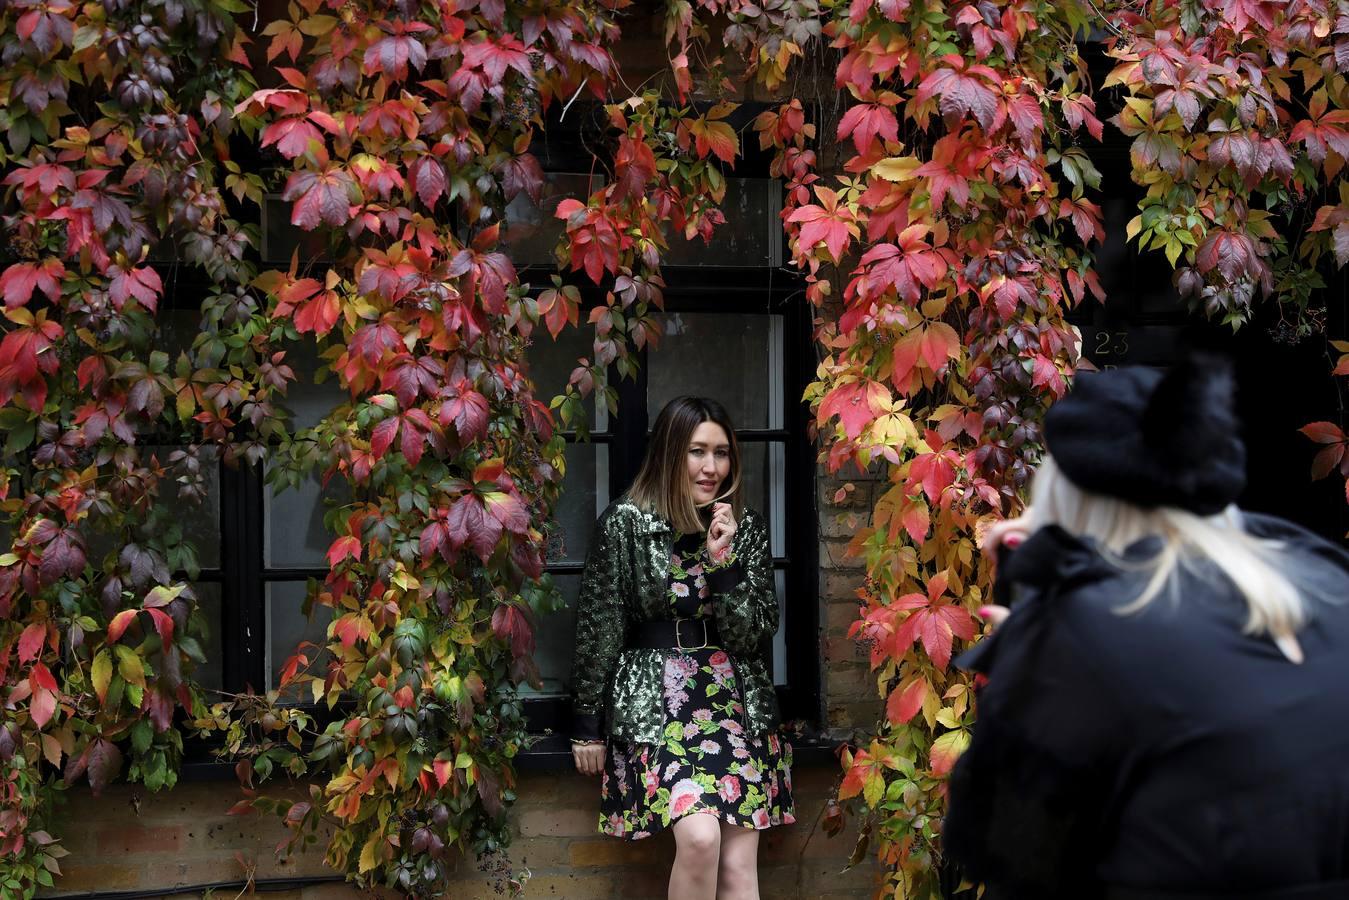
1053,555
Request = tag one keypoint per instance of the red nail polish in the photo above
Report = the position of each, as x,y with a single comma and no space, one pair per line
984,612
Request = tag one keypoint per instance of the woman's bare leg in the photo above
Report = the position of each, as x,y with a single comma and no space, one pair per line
738,875
697,849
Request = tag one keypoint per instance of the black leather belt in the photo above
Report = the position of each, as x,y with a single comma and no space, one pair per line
1337,890
675,634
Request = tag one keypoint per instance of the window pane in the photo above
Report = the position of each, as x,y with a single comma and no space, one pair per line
751,236
208,674
531,231
733,358
585,494
764,484
280,239
287,626
555,643
185,517
295,536
307,400
551,363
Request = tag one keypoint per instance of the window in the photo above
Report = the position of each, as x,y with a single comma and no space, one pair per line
737,328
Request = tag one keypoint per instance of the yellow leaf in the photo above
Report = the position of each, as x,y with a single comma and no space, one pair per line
1135,225
51,749
131,667
101,673
896,168
369,859
317,26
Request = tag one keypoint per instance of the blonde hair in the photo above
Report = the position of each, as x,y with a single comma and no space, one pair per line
1274,606
662,484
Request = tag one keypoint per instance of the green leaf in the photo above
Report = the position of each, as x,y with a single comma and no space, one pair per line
101,674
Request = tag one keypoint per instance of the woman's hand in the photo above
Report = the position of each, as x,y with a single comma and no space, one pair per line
1008,533
720,532
589,757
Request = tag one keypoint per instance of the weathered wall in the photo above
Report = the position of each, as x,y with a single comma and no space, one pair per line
129,840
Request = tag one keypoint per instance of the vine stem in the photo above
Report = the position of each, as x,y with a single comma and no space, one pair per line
1105,19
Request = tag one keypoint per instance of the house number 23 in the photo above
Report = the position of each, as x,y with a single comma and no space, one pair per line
1111,343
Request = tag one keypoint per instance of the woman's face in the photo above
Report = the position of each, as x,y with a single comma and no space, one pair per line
709,461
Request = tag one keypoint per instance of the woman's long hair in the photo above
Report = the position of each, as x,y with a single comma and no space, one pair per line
1274,605
662,484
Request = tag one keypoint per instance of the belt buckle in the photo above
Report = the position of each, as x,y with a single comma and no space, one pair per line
679,642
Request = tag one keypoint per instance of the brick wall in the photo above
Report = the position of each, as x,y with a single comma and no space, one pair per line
132,840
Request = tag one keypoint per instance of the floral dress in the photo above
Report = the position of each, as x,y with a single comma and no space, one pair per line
706,762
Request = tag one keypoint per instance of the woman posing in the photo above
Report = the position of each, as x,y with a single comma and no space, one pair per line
1167,713
674,705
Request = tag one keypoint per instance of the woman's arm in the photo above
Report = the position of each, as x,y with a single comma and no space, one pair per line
1029,799
601,628
744,596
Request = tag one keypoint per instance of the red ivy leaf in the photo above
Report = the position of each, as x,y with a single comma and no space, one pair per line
856,404
864,122
321,198
470,524
31,641
342,548
906,699
510,624
20,280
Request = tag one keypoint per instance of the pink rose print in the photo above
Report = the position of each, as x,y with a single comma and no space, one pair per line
740,753
750,773
676,561
652,781
730,725
729,788
697,572
702,592
761,819
719,658
711,747
683,796
702,715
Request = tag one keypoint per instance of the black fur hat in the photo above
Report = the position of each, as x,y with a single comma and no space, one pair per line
1153,438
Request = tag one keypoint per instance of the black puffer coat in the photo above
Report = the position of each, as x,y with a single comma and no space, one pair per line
1157,752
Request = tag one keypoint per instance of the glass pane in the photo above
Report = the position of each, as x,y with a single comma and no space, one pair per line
185,517
307,400
295,536
585,494
551,362
287,626
751,236
177,330
555,641
530,231
756,480
735,359
208,674
780,639
280,239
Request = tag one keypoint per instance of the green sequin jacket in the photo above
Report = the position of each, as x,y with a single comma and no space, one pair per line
626,580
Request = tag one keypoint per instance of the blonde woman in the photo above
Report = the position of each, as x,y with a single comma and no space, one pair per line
674,704
1166,715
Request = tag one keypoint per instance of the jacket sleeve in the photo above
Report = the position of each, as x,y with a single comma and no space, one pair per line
1029,800
744,596
601,629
